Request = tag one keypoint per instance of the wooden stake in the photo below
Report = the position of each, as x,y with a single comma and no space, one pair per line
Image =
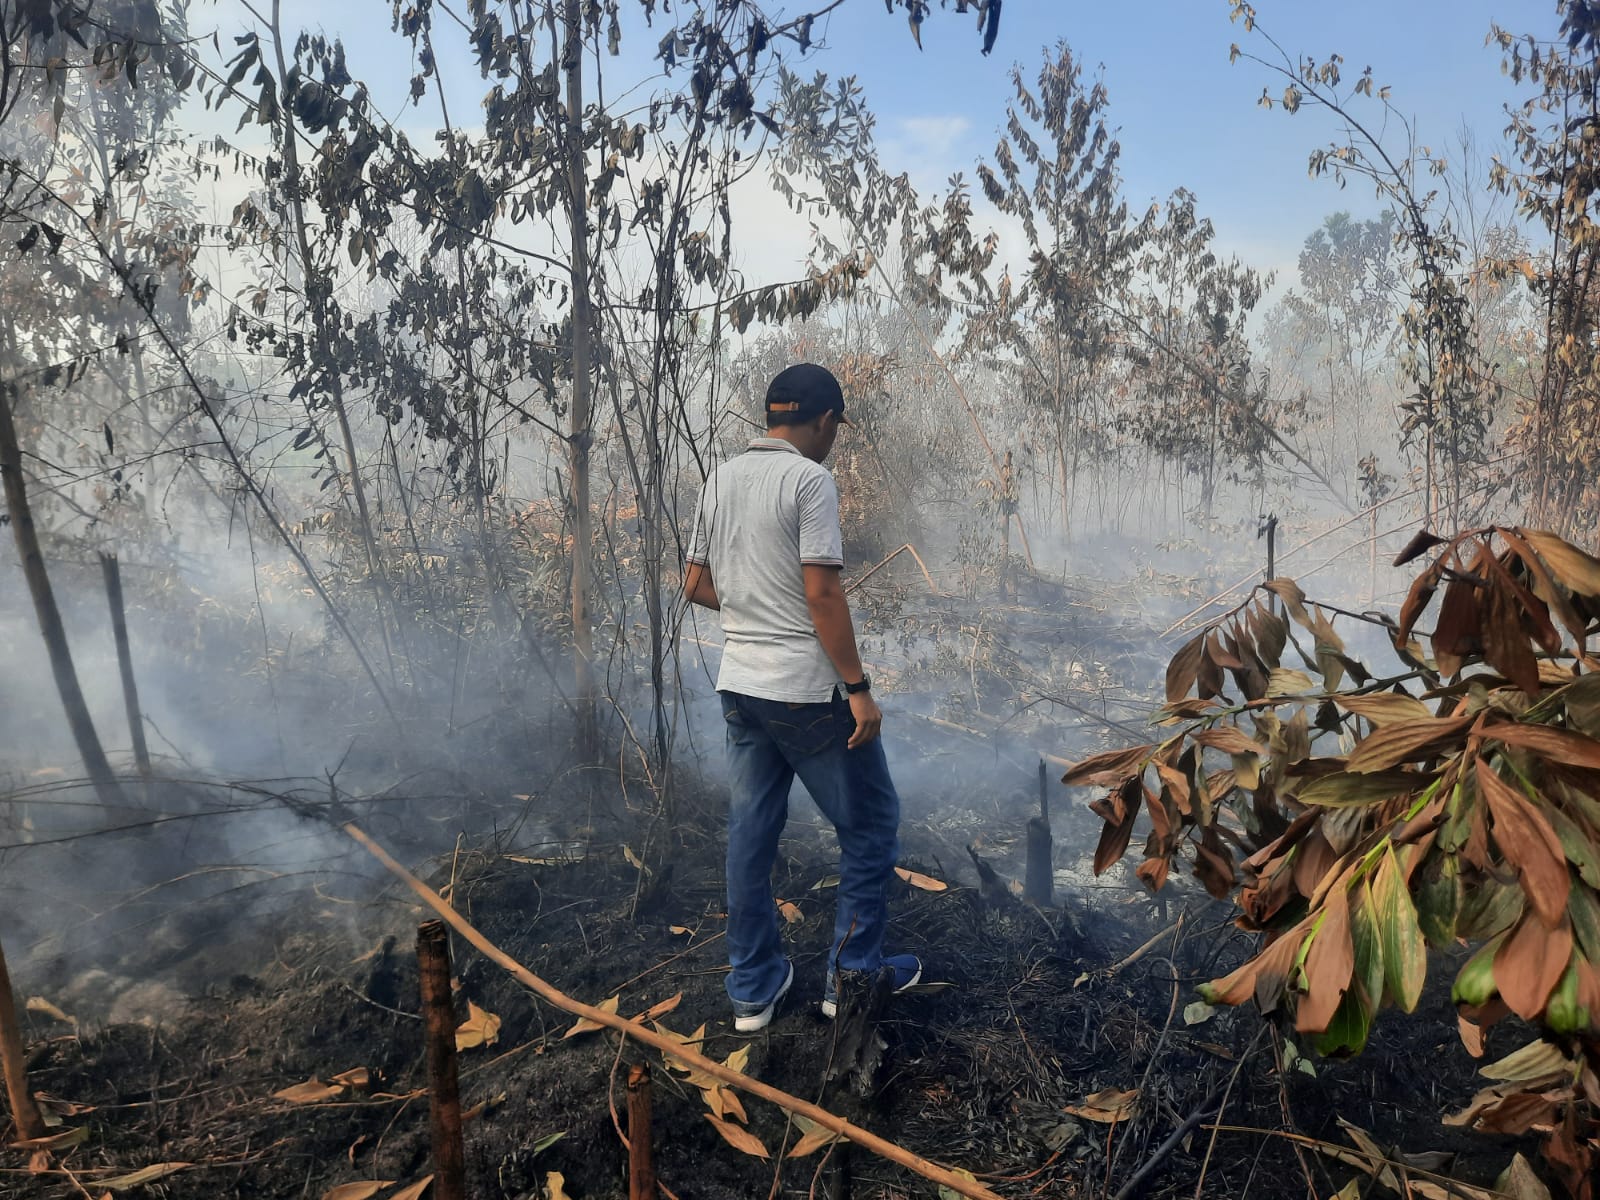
1039,884
646,1036
641,1151
24,1112
130,689
444,1087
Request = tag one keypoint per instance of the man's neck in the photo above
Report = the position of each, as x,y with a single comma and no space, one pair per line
785,433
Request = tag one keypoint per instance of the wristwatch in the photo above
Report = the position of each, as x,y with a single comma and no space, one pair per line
855,689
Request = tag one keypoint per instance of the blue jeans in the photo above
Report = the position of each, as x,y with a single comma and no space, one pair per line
769,743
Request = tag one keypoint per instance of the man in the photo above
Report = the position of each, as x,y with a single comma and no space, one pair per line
766,553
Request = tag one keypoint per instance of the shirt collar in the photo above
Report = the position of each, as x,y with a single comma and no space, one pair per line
772,443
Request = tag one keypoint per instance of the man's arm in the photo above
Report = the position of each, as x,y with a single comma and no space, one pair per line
699,587
830,613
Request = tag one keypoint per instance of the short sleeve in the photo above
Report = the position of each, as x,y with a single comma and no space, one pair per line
699,552
819,521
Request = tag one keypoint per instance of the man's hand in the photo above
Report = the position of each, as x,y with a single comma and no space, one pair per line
869,719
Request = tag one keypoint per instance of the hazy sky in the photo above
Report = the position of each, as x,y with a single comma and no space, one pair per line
1186,116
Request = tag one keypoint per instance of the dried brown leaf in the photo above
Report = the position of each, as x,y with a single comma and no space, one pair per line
586,1025
1115,835
1109,767
918,880
1184,669
361,1189
1230,739
1421,542
142,1176
739,1138
1544,586
414,1191
1107,1105
1530,844
1530,963
1328,965
1575,570
1557,745
662,1007
1505,645
312,1091
1385,708
481,1028
1408,741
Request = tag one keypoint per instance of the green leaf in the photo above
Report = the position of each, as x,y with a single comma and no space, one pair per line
1368,946
1344,789
1439,900
1490,907
1581,852
1347,1031
1474,983
1405,954
1563,1013
1584,909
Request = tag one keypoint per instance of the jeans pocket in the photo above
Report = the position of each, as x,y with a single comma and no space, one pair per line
802,730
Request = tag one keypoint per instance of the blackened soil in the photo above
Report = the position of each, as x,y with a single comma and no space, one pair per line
1043,1012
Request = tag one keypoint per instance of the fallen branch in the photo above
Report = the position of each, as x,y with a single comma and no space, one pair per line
723,1074
889,558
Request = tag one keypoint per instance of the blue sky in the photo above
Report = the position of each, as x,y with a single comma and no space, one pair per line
1186,116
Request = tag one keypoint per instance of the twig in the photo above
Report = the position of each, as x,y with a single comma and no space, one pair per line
1233,1077
1166,1147
890,557
861,1137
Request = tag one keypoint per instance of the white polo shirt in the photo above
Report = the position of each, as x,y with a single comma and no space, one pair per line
761,517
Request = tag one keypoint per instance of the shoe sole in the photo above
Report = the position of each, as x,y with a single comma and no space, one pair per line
758,1022
830,1008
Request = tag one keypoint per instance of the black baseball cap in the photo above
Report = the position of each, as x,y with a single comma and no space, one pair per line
802,393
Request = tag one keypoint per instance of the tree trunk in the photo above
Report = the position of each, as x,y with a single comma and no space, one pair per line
318,287
44,606
580,433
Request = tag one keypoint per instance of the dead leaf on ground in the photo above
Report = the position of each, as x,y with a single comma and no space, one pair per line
814,1137
1107,1105
312,1091
1519,1181
143,1176
555,1186
55,1141
38,1004
661,1007
62,1108
918,880
1537,1062
827,881
680,930
740,1139
693,1039
790,912
739,1059
481,1028
585,1025
413,1191
361,1189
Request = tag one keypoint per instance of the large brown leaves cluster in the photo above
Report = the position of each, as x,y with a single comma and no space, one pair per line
1358,820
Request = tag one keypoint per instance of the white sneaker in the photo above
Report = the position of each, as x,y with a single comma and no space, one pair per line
748,1018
